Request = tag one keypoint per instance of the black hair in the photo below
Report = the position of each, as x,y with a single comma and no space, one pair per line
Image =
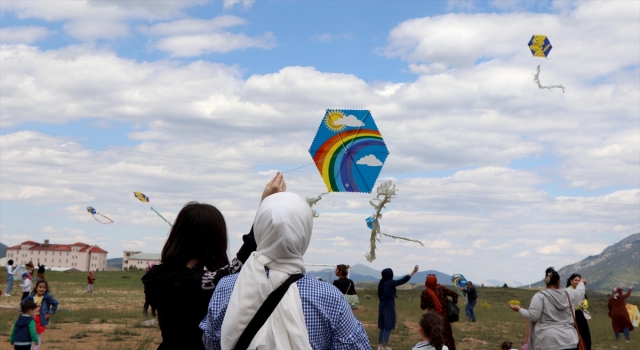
551,277
27,306
506,345
199,232
35,289
574,275
343,269
432,327
10,262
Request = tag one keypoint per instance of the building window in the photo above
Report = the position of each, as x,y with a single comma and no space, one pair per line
67,260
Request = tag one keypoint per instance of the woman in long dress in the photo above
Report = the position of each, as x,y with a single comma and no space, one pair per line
387,307
434,299
620,320
581,309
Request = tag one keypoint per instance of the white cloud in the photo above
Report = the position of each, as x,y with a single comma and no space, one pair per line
328,37
473,147
196,45
22,35
245,3
523,254
95,29
369,160
350,120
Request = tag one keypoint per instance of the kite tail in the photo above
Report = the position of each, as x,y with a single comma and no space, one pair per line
162,217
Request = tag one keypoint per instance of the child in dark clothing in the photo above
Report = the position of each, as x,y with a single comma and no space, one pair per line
24,330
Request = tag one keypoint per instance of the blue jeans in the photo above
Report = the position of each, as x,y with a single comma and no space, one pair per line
383,338
626,334
9,283
469,310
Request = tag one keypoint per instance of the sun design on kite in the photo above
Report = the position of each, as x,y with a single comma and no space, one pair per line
331,119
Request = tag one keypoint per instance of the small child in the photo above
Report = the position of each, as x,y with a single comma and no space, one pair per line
432,333
24,330
26,285
507,345
47,306
90,280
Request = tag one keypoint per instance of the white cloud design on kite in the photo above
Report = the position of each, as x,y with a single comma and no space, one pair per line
369,160
350,120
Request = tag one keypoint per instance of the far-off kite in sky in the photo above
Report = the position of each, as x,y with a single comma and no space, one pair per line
98,216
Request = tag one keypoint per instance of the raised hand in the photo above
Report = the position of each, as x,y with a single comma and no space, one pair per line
274,186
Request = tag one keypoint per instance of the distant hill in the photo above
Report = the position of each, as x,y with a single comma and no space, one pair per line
115,262
363,273
3,250
617,265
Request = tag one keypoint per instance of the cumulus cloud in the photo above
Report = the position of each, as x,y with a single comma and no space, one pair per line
196,45
245,3
329,37
369,160
476,150
22,35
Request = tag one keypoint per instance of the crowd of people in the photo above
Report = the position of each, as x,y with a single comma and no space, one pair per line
263,299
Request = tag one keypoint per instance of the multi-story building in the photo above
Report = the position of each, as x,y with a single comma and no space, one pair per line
80,256
138,260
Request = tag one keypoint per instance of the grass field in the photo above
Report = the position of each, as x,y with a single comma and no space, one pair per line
111,317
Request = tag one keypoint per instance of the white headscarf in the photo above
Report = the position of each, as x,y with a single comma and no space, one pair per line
282,230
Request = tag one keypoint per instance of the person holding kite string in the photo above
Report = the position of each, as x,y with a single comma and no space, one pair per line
193,261
551,314
472,297
303,313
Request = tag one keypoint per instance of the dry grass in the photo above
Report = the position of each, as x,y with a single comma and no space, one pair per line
110,318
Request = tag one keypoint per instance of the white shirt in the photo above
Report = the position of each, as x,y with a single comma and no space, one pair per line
26,285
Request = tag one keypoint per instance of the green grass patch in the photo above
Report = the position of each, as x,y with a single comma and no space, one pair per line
79,335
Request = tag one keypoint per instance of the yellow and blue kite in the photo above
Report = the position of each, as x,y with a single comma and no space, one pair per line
540,46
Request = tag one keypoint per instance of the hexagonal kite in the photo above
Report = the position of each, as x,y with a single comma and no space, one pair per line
540,46
348,150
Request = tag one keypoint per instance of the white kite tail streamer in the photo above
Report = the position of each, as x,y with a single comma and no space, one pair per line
162,217
536,79
312,201
386,190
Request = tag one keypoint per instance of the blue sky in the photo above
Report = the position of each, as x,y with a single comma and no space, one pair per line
205,100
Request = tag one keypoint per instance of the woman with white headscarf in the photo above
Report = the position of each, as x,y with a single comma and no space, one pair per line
311,315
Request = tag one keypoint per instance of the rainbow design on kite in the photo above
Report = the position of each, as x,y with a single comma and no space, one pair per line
459,280
348,150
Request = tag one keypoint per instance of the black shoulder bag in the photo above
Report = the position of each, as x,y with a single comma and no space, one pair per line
264,312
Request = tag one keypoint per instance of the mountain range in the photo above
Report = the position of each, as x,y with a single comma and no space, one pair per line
617,265
363,273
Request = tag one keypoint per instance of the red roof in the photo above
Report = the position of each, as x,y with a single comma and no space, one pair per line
59,247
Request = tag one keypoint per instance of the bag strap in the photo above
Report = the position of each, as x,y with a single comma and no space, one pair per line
573,314
348,288
263,313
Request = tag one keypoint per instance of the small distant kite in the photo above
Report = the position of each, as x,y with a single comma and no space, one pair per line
141,196
348,150
459,281
103,219
536,79
540,46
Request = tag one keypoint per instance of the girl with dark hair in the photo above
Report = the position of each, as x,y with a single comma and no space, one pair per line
10,276
551,314
47,306
434,299
581,310
345,285
620,320
387,307
194,259
432,333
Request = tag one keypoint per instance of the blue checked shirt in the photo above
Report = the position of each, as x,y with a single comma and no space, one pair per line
329,320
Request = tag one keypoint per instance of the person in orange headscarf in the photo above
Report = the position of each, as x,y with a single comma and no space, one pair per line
433,298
